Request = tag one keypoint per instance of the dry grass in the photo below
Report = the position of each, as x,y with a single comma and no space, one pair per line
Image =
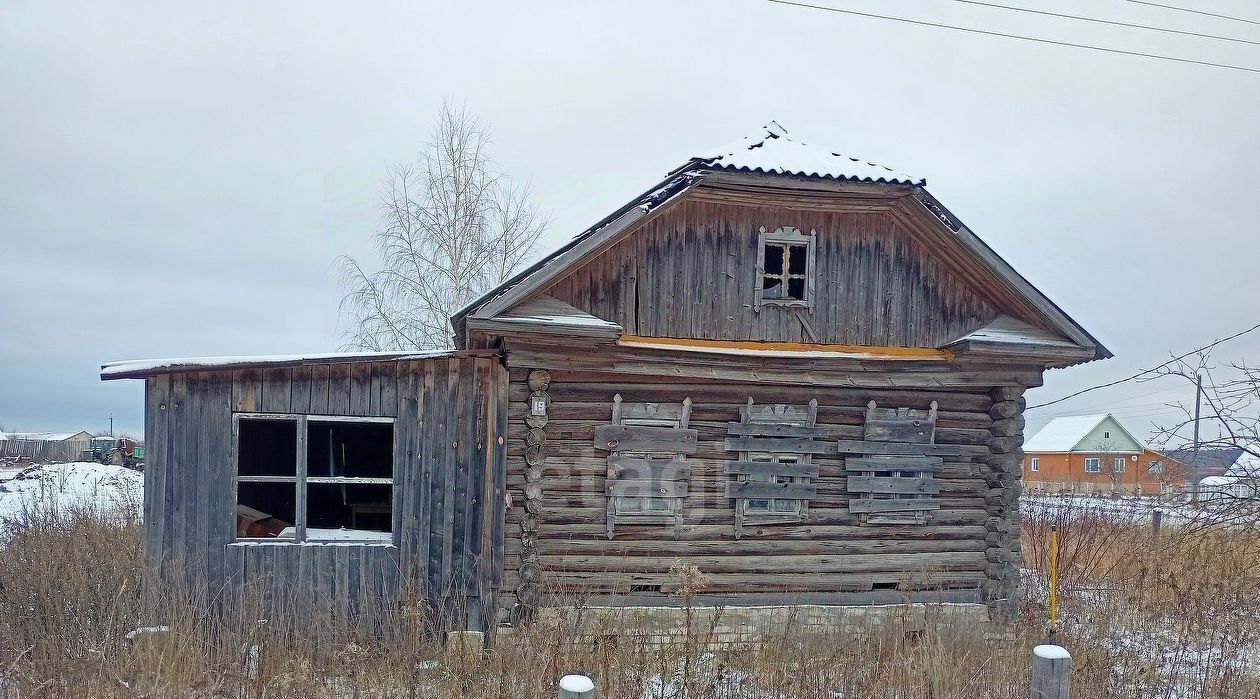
1144,619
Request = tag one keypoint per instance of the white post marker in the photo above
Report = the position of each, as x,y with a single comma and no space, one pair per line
576,687
1051,672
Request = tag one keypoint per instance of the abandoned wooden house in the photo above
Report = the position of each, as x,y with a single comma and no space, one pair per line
793,370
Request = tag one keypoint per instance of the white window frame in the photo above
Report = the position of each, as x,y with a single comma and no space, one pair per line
785,237
1155,468
300,479
1118,464
1034,464
1097,463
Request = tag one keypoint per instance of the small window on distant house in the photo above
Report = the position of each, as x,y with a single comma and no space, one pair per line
1093,465
1155,468
786,268
1118,465
1106,435
307,477
1035,464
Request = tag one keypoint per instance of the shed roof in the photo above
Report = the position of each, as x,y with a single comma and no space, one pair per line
140,368
1063,434
46,436
771,150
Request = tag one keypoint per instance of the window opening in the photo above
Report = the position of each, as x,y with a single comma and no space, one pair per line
303,478
786,260
1092,465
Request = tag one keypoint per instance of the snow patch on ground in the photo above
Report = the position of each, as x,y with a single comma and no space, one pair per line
64,487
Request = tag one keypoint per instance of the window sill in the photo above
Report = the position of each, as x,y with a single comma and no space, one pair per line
361,543
788,303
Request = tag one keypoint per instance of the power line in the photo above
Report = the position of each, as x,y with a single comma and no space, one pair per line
1197,12
1107,21
972,30
1152,370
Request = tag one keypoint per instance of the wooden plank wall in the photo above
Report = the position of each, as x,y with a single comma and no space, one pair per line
449,478
690,273
828,557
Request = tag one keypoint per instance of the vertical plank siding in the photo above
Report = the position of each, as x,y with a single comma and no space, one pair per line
448,482
690,273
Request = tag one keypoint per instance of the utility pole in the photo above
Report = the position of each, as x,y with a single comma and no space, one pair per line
111,426
1194,450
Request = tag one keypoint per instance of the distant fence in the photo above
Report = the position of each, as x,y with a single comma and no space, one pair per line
43,451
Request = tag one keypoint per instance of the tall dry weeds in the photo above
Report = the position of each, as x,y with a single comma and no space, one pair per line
1169,618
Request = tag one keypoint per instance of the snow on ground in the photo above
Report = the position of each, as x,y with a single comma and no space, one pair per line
100,487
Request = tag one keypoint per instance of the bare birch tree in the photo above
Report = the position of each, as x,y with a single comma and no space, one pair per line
1229,418
453,226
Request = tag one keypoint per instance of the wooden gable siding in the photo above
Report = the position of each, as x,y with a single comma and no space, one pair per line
827,557
449,473
691,273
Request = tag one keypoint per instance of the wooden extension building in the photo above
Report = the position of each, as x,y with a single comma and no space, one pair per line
793,370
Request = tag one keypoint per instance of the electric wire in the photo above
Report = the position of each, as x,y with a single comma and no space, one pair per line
973,30
1099,20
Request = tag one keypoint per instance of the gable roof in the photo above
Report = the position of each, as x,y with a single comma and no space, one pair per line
1214,459
772,151
782,162
1064,434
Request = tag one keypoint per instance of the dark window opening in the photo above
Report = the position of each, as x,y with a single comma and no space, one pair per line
267,448
796,259
783,272
333,507
351,450
645,588
342,471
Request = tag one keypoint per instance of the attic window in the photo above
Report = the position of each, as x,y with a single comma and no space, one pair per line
785,266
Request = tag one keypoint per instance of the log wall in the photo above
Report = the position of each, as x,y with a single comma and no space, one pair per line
967,551
449,478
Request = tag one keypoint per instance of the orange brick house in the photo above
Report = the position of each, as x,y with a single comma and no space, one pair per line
1095,453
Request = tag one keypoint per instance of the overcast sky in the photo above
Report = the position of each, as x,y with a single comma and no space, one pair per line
177,181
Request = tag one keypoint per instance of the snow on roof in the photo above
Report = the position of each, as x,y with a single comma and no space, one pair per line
44,436
770,150
1007,330
552,311
1063,433
141,367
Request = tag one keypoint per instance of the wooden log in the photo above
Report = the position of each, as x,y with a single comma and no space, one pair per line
646,488
649,439
633,468
754,429
849,446
784,445
1051,672
875,484
767,468
927,464
757,489
575,687
864,505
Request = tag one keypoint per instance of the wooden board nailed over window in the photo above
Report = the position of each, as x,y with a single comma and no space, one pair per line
893,471
774,478
647,470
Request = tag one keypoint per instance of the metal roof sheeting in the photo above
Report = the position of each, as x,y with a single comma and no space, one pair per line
772,151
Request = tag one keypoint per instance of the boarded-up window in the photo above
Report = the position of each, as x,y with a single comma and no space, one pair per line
893,473
648,474
785,268
774,478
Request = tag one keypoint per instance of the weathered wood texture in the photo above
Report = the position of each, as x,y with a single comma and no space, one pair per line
449,481
691,273
828,551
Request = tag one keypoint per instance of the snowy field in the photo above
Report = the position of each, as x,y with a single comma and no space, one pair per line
71,486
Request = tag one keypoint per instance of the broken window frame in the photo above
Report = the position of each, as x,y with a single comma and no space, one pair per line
301,479
785,238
